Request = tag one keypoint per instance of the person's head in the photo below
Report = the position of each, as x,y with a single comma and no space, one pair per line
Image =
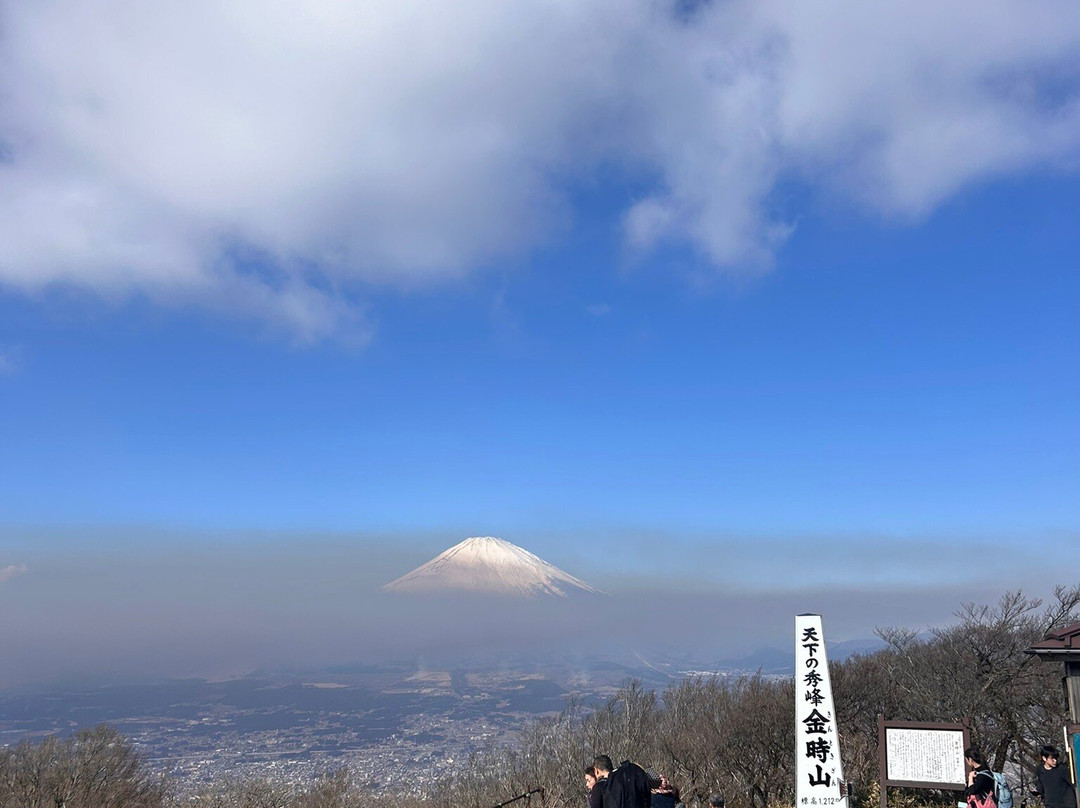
664,786
974,757
716,800
1050,755
602,766
590,776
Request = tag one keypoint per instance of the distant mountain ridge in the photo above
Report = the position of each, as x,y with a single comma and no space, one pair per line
490,566
776,661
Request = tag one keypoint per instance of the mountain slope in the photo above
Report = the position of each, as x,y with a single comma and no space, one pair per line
487,565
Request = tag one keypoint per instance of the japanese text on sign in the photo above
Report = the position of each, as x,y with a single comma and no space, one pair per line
925,755
818,768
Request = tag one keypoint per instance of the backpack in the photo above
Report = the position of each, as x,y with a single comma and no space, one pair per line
1002,793
627,787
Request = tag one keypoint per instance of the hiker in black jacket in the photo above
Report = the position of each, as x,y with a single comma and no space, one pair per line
980,788
601,771
1053,781
630,786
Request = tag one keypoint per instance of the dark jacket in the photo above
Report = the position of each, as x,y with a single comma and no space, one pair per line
982,785
629,786
1054,787
661,800
596,793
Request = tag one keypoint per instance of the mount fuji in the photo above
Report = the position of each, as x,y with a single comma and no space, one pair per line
484,565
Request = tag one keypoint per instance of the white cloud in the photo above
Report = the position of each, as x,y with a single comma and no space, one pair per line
273,159
6,573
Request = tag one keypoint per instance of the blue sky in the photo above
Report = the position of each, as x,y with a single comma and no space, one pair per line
906,379
660,294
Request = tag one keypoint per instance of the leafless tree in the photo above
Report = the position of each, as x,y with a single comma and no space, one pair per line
977,669
95,768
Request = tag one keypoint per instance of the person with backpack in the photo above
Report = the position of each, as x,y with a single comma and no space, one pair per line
1002,793
981,783
630,786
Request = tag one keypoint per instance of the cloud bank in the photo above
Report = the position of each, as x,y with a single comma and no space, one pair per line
161,604
275,160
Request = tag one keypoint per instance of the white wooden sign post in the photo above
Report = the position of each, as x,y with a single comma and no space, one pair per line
819,775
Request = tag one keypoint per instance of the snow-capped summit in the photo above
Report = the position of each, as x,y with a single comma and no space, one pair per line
490,566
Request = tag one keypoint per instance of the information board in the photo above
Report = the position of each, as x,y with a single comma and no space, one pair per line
925,756
921,755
